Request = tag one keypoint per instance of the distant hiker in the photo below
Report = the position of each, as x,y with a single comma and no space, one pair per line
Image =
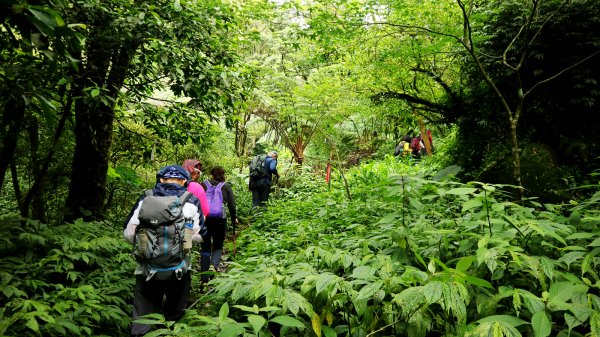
403,148
162,226
262,169
416,145
218,193
194,168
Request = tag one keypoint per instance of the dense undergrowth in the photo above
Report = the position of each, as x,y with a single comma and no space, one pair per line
406,253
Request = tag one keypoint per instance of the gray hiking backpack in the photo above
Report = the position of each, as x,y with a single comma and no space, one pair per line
159,238
257,166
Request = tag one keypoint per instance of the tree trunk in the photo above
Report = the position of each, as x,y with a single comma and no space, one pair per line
12,121
93,129
516,158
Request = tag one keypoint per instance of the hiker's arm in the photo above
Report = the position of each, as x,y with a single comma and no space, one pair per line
231,203
197,190
136,206
132,223
273,168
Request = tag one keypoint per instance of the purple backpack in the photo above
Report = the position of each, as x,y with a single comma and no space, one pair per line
215,200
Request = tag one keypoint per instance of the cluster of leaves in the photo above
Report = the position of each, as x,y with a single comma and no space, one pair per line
70,280
413,256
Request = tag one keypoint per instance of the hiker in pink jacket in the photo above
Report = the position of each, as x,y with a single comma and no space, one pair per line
194,168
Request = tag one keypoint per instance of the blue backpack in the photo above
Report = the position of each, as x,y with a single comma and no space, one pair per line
214,195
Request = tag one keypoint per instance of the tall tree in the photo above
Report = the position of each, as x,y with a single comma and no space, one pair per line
143,47
36,59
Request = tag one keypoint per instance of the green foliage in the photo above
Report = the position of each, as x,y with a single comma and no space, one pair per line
550,130
73,280
412,256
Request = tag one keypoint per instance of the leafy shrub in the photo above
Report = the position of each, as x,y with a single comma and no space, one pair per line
73,279
408,256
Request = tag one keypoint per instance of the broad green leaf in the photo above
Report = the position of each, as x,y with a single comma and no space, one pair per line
257,322
495,329
69,325
582,312
369,290
148,321
595,323
270,308
541,325
472,203
462,191
547,267
223,312
33,324
247,308
288,321
328,331
575,219
433,291
571,257
231,330
363,272
414,202
389,218
586,265
464,263
158,332
111,173
324,281
478,282
44,18
585,235
431,266
572,321
360,305
595,243
533,303
564,291
510,320
316,324
410,299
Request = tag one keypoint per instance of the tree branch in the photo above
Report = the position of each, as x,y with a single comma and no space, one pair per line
561,72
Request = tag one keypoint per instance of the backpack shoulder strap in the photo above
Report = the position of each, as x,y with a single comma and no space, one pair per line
207,183
184,197
148,193
220,185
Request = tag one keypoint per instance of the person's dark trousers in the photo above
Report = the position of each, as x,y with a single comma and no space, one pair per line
213,242
260,194
148,298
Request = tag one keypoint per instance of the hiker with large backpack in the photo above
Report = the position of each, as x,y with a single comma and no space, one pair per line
262,169
162,226
218,193
416,145
194,168
403,148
